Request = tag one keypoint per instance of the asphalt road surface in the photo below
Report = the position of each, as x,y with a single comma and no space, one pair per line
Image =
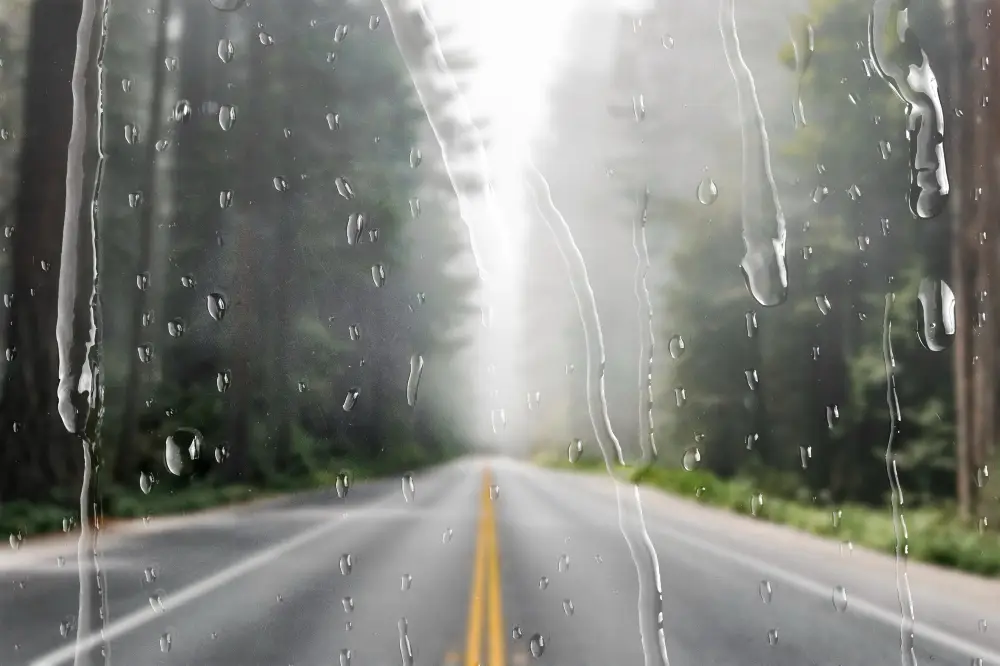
482,557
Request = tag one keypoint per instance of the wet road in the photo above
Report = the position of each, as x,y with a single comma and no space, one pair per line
487,554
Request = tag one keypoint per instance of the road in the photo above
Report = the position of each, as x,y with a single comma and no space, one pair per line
484,555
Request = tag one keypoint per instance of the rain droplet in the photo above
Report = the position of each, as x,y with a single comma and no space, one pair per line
226,50
221,453
563,564
333,120
67,626
516,633
756,502
227,116
982,626
355,227
145,353
217,305
265,39
676,346
146,482
575,450
344,188
691,459
936,314
416,157
840,599
772,637
15,540
408,487
832,416
751,318
752,379
707,191
135,199
351,399
280,184
373,22
680,396
537,645
823,303
187,281
225,198
854,192
162,145
346,564
126,85
343,484
340,33
406,581
354,332
885,149
183,448
132,134
820,193
764,589
567,607
543,583
378,275
165,641
170,63
667,41
413,381
223,380
227,5
156,601
175,327
446,536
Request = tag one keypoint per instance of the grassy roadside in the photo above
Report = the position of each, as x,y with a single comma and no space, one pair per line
33,519
935,535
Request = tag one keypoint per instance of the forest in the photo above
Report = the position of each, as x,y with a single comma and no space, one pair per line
281,280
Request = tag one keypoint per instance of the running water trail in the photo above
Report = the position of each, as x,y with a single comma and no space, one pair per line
764,266
415,36
77,334
899,60
907,655
647,339
634,531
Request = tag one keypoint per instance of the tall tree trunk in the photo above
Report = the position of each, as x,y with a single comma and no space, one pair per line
127,446
37,452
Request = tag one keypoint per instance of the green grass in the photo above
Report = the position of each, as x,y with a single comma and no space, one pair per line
936,535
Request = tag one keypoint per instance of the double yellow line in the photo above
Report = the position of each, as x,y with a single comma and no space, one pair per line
486,591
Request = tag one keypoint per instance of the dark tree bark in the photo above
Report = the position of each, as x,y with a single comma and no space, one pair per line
37,452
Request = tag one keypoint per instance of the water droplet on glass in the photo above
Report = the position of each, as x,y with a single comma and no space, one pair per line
680,396
516,633
676,346
264,38
15,540
416,157
752,379
355,227
146,482
183,448
446,536
156,601
217,305
567,607
840,599
823,303
351,399
543,583
982,626
346,564
354,332
333,120
378,275
280,184
175,327
170,63
575,450
406,581
131,134
221,453
408,487
772,637
225,198
135,199
667,41
162,145
223,380
413,381
820,193
756,503
707,191
343,484
563,564
936,316
537,645
165,641
145,353
373,22
126,85
67,626
226,50
982,476
344,188
691,458
227,5
227,116
832,416
764,589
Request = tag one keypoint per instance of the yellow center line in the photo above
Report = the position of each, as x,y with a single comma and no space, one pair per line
486,589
